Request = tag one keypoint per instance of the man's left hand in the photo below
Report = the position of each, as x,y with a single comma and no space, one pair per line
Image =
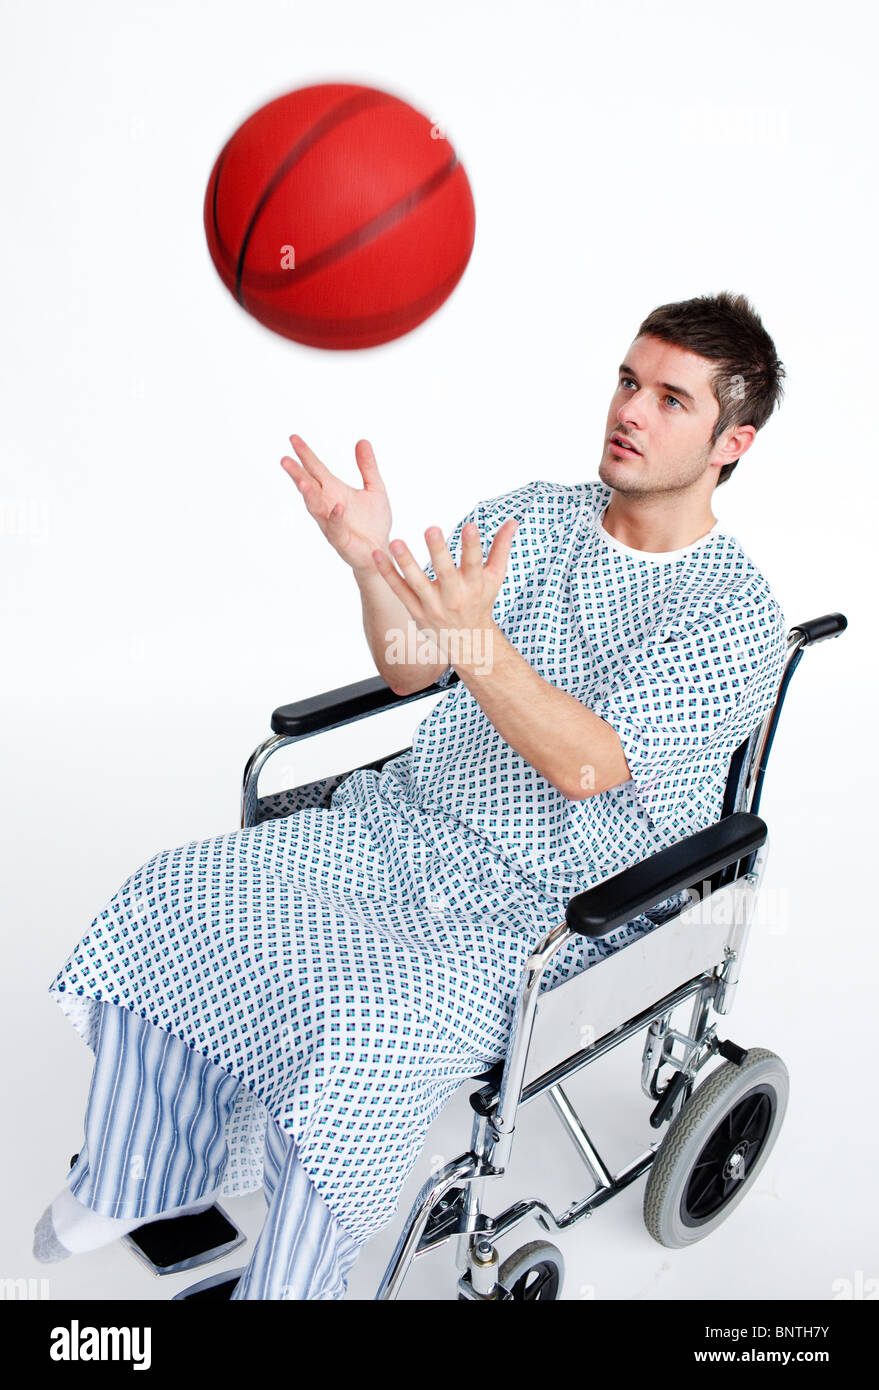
461,599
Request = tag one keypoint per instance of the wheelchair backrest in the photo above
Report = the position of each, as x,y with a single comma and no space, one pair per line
747,770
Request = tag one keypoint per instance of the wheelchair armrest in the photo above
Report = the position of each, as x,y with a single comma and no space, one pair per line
626,895
344,705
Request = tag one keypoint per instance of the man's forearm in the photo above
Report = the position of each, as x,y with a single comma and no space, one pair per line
384,613
574,749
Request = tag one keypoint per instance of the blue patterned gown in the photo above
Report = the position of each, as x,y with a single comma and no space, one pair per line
352,965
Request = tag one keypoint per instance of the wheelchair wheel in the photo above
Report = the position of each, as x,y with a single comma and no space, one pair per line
534,1273
715,1147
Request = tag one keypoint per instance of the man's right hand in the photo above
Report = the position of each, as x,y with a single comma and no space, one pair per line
355,521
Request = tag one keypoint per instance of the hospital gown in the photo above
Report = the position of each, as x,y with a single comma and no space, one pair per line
353,964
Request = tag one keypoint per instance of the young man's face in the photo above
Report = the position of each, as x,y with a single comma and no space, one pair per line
664,406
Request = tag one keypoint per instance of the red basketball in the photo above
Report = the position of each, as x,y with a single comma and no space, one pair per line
339,216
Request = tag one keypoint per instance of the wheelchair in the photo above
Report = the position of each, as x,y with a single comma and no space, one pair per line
720,1127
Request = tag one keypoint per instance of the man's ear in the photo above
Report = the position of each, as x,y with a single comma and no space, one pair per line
735,442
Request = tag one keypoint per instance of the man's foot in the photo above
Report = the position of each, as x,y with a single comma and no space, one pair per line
69,1227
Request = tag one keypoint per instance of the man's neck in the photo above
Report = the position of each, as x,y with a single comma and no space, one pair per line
654,525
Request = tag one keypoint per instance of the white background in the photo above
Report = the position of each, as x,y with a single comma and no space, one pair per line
164,588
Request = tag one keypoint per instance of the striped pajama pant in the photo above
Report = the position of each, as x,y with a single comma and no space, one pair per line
155,1139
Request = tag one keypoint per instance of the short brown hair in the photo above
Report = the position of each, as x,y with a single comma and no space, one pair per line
747,384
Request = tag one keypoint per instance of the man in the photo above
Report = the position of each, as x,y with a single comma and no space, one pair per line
336,974
620,602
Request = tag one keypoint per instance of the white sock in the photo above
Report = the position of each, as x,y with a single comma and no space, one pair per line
76,1228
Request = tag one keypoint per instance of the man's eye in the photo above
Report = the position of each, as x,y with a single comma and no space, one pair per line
624,379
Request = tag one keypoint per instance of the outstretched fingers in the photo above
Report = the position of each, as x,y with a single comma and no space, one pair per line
294,469
365,456
471,549
309,490
443,564
311,464
499,553
413,585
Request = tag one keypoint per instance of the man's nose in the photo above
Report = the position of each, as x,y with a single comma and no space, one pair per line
631,410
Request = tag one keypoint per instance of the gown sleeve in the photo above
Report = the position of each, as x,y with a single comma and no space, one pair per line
489,517
684,699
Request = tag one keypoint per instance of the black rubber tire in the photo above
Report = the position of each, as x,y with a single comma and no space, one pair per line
696,1182
538,1258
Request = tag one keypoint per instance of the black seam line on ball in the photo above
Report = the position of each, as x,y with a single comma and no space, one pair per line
360,236
351,106
221,245
271,280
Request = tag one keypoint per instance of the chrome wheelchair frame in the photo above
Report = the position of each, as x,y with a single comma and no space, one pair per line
719,1133
695,954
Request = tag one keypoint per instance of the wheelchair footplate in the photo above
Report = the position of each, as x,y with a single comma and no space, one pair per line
178,1243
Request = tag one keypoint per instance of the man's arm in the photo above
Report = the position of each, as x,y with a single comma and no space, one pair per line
355,521
384,613
574,749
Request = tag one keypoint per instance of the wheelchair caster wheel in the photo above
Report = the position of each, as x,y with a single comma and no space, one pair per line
533,1273
715,1147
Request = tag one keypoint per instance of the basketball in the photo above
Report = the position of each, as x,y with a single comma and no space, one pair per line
339,216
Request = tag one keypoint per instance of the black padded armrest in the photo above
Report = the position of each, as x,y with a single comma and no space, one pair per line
626,895
343,705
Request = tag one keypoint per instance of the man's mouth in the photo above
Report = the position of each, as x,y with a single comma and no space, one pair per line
622,445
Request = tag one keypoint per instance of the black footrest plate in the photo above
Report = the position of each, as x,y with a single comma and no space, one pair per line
184,1242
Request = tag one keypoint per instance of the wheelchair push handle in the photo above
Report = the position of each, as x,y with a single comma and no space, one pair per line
819,629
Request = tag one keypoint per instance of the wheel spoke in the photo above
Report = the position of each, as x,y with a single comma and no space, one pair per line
698,1196
757,1118
542,1288
717,1148
704,1163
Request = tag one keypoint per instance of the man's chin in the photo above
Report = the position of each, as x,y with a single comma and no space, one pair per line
618,474
611,468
